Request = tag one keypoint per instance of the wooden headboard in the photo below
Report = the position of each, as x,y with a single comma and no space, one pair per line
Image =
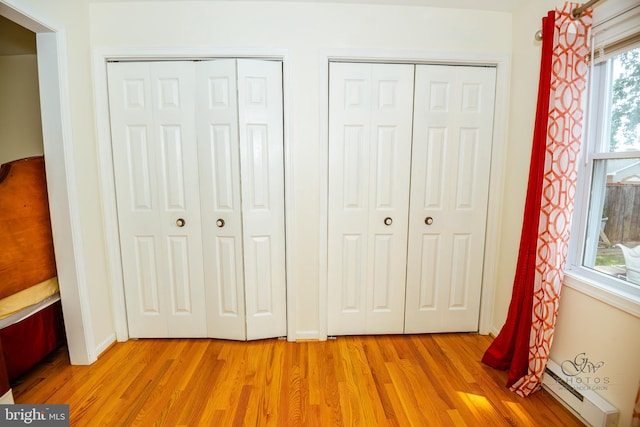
26,249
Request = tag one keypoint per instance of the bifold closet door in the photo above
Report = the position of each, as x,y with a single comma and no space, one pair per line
198,164
370,109
452,140
240,142
262,175
403,260
152,109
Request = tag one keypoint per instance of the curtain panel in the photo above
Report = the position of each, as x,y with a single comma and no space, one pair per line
524,343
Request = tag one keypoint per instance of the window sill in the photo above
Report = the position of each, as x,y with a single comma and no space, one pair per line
602,292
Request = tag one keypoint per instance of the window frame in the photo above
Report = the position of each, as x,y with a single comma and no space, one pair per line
614,291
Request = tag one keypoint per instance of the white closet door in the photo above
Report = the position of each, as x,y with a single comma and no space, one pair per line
453,129
369,162
262,176
153,132
221,207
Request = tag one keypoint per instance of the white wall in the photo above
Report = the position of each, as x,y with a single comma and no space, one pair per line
584,325
605,334
306,31
20,126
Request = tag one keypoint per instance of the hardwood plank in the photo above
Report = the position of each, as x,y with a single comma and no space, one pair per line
415,380
330,405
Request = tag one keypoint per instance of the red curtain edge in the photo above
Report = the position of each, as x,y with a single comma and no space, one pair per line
510,349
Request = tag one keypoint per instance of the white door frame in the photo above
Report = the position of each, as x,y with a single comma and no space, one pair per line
61,177
498,157
100,58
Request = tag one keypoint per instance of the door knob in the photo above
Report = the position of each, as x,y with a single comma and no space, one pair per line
180,222
428,220
388,221
220,222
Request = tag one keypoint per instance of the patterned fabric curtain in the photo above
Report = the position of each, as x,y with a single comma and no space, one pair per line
524,342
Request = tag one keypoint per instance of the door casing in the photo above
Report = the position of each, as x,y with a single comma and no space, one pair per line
100,59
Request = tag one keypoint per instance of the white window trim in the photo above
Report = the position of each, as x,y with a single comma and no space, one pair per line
610,290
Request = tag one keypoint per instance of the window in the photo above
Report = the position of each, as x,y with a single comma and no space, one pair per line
606,249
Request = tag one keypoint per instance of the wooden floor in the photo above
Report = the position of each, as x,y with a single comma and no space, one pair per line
413,380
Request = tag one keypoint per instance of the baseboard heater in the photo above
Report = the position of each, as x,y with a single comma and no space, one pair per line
586,403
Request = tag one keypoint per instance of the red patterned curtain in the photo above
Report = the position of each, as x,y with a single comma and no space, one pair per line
523,344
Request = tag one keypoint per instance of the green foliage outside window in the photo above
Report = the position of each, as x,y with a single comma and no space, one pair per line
625,109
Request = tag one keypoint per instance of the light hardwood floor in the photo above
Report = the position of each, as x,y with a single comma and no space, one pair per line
412,380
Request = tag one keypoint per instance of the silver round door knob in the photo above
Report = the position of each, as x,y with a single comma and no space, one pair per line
388,221
220,222
428,220
180,222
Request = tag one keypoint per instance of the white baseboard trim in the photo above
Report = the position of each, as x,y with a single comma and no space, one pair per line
7,399
313,335
494,331
100,348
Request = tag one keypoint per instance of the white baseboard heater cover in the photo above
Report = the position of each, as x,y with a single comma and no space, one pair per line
590,406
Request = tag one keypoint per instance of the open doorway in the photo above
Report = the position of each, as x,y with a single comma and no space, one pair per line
20,123
31,323
61,180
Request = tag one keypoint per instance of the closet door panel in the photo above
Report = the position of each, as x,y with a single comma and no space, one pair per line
369,156
430,254
144,249
262,174
352,220
139,172
389,175
198,160
179,275
153,129
221,206
176,154
350,97
453,131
